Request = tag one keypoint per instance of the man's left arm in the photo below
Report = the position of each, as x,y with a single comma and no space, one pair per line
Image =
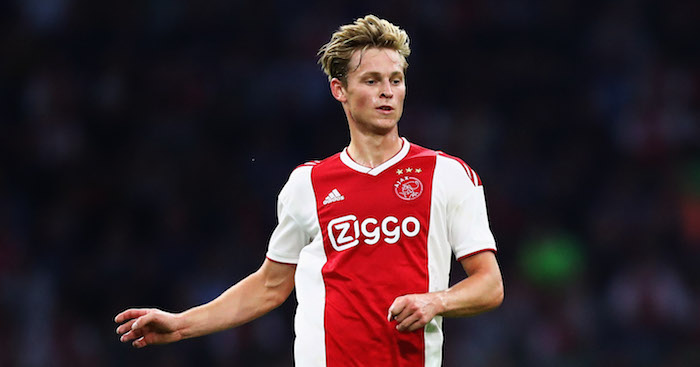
481,291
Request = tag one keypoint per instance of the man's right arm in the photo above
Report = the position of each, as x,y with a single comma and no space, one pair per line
254,296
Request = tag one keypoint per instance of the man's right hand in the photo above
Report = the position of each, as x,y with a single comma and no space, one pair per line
147,326
252,297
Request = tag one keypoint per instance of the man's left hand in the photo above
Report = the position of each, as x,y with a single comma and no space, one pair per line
414,311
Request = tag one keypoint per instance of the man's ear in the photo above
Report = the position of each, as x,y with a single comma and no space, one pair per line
338,90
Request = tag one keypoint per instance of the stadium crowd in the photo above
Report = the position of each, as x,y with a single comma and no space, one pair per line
142,146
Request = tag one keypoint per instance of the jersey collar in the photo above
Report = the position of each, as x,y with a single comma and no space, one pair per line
345,158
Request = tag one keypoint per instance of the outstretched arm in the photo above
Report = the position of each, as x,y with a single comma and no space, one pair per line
252,297
481,291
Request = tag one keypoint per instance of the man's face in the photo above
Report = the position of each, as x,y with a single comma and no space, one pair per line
375,91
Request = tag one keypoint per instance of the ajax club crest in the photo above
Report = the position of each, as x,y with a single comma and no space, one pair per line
408,188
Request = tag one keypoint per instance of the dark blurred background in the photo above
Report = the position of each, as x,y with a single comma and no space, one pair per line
143,144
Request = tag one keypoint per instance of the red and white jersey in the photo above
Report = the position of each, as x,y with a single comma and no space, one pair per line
362,237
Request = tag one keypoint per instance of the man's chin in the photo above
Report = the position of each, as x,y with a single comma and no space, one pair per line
377,126
383,128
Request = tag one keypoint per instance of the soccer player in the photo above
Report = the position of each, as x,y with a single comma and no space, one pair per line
366,236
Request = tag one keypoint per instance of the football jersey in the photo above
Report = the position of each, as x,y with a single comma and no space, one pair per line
361,237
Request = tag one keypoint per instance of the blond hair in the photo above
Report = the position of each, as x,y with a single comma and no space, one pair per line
366,32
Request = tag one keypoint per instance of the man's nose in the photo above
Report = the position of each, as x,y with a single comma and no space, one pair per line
386,90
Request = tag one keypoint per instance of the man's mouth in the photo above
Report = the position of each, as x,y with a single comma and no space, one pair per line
385,108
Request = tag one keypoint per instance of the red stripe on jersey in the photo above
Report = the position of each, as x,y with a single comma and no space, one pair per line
280,262
308,164
473,176
476,252
375,241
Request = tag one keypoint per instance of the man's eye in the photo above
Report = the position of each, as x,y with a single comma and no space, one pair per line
396,81
370,82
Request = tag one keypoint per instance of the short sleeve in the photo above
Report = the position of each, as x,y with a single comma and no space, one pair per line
467,220
293,206
469,226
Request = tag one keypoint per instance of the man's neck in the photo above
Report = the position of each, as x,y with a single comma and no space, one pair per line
371,151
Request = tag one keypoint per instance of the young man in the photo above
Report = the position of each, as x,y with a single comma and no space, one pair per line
366,236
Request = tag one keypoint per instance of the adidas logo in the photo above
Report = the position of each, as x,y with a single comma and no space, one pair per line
333,197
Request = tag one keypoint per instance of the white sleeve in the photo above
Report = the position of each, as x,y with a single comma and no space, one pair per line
293,205
467,221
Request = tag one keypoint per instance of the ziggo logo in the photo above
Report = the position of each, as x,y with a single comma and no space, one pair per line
344,232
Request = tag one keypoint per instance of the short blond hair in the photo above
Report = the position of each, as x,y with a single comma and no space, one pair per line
365,33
